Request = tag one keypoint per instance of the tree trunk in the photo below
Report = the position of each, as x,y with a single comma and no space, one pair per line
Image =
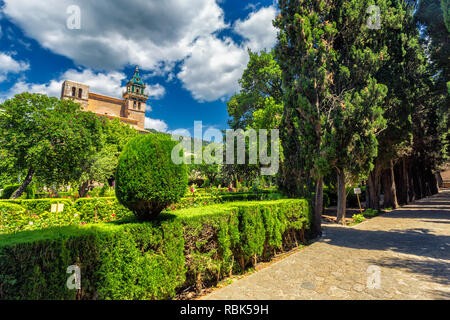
420,185
404,185
83,190
342,197
433,183
373,181
318,206
411,191
390,193
439,180
26,182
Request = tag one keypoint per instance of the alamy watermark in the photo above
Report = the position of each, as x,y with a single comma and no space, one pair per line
73,22
374,279
374,20
239,145
74,280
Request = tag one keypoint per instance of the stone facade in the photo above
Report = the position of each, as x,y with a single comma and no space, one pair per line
130,109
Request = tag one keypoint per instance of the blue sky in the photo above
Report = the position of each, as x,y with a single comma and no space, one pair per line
191,52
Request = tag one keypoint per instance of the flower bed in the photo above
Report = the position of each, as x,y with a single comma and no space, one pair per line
34,214
154,260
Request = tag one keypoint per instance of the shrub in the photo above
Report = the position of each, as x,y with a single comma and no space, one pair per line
370,213
56,195
149,260
38,206
358,218
99,192
101,209
147,181
9,190
9,212
203,199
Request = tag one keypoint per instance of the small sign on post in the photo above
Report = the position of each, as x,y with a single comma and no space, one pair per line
357,191
57,207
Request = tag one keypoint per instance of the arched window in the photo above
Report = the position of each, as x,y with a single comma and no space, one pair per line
80,93
139,106
74,90
134,104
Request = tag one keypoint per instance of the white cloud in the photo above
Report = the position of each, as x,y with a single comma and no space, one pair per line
156,124
258,29
103,83
109,84
9,65
156,35
157,91
149,32
214,66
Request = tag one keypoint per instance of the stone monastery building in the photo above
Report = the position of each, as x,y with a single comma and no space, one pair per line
130,110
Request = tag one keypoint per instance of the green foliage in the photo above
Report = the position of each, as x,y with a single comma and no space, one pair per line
370,213
10,189
210,171
104,191
102,165
47,137
147,180
260,95
434,16
149,260
20,215
358,218
37,213
101,209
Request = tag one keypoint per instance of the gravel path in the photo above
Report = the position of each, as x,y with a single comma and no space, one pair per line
404,254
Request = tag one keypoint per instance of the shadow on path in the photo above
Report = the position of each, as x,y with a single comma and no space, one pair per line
419,230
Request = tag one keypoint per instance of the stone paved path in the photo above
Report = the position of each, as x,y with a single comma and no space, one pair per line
409,248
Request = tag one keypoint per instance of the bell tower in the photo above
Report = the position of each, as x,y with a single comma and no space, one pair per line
136,96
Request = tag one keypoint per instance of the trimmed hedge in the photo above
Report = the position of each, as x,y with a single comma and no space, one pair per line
202,200
96,210
149,260
101,209
147,180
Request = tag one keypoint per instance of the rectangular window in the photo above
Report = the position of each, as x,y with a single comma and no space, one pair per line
134,105
139,106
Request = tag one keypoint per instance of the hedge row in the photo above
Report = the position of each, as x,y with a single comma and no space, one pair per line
154,260
201,200
36,214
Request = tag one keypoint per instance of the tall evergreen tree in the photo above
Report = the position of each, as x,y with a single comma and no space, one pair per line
330,56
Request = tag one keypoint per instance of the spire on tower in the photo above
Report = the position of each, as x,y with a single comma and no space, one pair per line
136,88
137,77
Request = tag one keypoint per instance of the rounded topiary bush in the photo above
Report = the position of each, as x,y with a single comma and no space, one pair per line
147,181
